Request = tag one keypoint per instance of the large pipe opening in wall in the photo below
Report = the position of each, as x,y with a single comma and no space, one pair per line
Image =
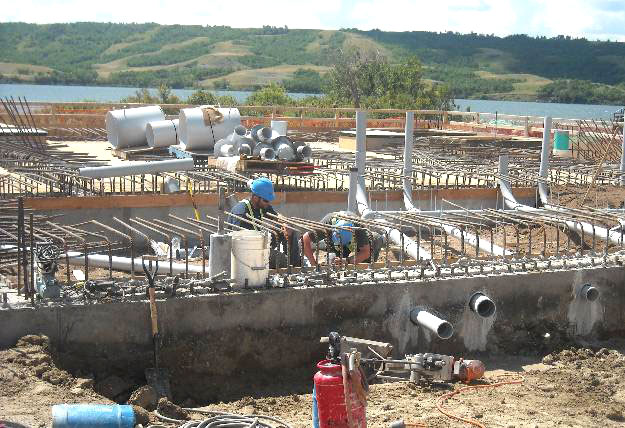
482,305
589,292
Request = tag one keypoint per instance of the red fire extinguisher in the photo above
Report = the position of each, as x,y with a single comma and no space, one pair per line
333,410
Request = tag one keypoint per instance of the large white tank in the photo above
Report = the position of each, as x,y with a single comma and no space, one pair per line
126,127
200,127
163,133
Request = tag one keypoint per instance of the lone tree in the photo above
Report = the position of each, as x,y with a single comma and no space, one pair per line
369,80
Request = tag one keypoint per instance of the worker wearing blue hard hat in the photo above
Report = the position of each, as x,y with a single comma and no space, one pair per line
256,207
347,239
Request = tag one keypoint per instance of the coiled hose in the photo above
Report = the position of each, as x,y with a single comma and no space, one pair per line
222,420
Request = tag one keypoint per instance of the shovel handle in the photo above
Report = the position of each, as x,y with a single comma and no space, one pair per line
153,313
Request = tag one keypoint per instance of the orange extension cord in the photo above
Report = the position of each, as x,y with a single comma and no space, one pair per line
445,397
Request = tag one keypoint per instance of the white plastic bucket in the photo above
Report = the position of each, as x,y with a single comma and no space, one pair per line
163,133
250,258
126,127
194,133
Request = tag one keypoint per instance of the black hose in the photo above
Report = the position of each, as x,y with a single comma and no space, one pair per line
222,420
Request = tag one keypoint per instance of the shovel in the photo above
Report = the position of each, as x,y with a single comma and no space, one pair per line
157,377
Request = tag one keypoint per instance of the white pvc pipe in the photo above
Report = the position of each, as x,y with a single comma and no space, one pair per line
264,134
196,133
543,171
482,305
361,141
469,238
227,150
602,233
280,126
589,293
126,127
284,149
614,236
138,168
304,151
408,146
443,329
623,157
124,263
267,153
162,133
357,188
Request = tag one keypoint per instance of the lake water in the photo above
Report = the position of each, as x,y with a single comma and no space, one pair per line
60,93
566,111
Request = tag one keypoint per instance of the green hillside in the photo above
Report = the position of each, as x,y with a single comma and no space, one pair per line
146,55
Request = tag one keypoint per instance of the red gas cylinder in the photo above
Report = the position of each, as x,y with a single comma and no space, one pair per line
331,406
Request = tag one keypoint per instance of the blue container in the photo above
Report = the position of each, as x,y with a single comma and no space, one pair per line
315,412
92,415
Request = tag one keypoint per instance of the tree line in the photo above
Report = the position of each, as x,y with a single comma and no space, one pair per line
171,52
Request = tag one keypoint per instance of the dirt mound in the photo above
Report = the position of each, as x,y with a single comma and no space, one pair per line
33,354
31,383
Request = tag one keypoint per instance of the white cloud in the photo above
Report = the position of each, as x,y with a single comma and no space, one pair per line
240,13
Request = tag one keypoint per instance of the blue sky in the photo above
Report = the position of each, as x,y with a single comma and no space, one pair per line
593,19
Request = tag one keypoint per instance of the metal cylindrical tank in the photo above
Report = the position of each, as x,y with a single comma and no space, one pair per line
330,397
561,143
201,127
126,127
219,254
92,416
163,133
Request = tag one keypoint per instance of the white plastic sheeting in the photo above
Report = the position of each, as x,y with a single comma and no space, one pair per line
163,133
126,127
198,129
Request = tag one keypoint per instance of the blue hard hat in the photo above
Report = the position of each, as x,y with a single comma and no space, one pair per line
342,236
263,188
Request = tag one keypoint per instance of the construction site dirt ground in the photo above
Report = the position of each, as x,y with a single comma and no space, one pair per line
582,385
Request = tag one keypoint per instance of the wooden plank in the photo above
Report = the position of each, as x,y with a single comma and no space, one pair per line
307,197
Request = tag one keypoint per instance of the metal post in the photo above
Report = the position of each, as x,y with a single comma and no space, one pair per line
22,241
31,289
623,158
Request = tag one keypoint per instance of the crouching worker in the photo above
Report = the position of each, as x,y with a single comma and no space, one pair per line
257,206
348,240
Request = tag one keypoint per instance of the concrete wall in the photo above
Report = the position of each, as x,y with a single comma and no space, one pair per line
280,328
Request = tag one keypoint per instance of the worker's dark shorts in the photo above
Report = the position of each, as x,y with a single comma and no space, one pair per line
377,242
278,254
